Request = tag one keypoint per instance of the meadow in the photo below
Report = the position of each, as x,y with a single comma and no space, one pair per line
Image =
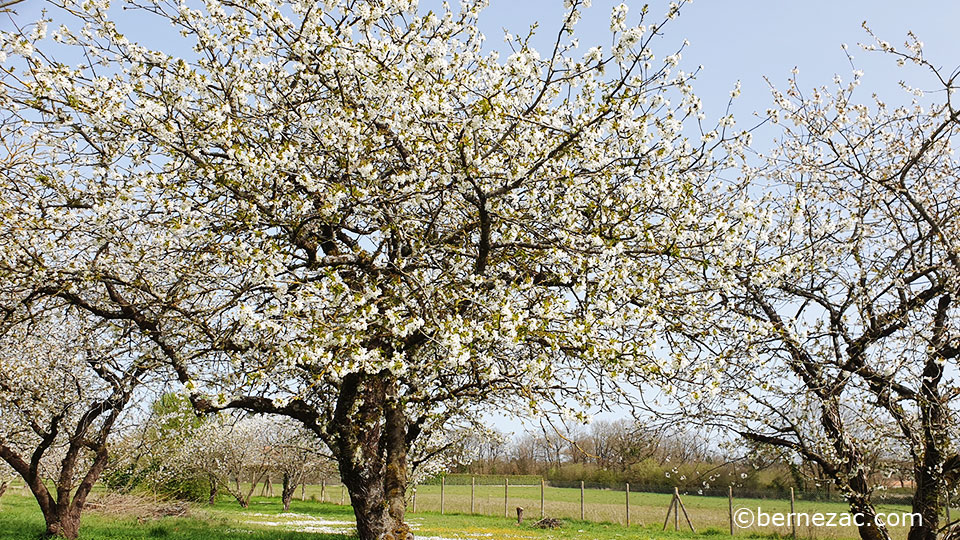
316,520
647,510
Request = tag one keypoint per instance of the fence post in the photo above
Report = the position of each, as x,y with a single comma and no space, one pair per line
414,499
581,500
793,516
303,490
473,492
323,490
442,482
676,513
670,508
506,490
541,497
628,504
730,507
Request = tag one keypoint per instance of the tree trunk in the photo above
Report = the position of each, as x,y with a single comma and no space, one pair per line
375,509
868,528
253,485
63,522
254,480
62,516
287,491
928,466
930,485
395,477
371,434
238,493
214,489
926,502
851,477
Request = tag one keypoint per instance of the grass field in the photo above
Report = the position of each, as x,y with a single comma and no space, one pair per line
647,510
20,518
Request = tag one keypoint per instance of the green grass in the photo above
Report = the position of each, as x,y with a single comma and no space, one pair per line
20,518
647,510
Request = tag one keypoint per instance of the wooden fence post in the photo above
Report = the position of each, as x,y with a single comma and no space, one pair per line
730,507
628,504
581,500
414,499
680,506
793,516
323,490
676,506
473,492
442,483
670,508
506,490
676,509
541,497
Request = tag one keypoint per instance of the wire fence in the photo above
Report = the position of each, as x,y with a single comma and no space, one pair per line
531,497
625,504
895,497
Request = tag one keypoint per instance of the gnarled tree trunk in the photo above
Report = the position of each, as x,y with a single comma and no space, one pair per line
928,474
371,434
928,467
287,491
850,476
61,513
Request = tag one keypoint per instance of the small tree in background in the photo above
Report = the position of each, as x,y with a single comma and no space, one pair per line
144,458
294,453
231,453
64,384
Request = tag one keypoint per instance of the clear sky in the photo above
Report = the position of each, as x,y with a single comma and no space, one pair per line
748,39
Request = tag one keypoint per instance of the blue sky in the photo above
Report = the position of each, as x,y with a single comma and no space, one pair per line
748,39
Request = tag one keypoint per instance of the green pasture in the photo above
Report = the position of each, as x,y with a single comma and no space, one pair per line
647,510
311,519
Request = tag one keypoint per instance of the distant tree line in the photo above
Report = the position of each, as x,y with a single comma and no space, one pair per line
611,454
